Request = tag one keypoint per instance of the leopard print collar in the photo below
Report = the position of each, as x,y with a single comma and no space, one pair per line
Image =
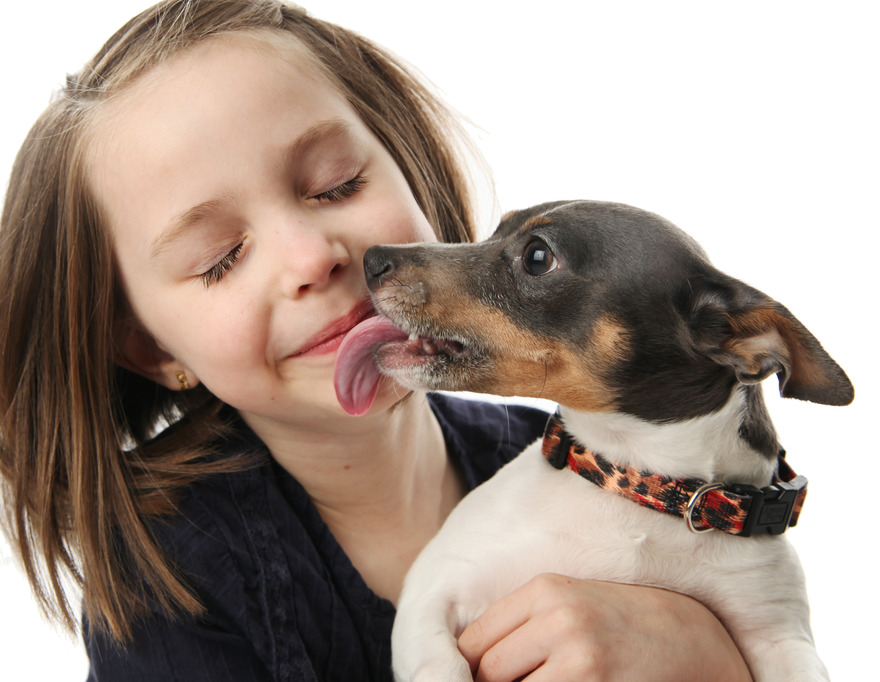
736,509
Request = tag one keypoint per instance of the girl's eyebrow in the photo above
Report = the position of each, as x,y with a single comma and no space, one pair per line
181,224
315,135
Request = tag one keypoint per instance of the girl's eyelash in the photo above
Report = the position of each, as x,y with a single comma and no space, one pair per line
343,191
218,271
224,265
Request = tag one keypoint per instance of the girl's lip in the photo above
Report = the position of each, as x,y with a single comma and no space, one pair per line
330,337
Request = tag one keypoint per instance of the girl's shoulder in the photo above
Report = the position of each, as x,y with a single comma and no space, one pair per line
208,537
482,435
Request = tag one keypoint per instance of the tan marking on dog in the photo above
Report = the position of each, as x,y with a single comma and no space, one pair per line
609,342
533,222
608,345
523,364
530,366
767,331
755,337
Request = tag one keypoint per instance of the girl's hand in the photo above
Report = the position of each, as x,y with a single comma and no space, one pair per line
557,629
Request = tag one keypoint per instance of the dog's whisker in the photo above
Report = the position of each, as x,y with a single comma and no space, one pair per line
398,283
546,375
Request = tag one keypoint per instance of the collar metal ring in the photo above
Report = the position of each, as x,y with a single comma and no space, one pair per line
692,505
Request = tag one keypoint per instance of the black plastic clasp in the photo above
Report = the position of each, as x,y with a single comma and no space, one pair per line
559,458
772,507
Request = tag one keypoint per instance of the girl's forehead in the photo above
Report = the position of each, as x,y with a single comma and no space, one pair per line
179,87
230,101
266,50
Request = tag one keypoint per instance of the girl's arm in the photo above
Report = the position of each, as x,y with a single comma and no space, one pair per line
567,629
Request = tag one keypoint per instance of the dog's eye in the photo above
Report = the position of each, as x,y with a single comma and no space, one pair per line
538,259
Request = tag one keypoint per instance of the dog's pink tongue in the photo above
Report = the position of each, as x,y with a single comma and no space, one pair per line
356,377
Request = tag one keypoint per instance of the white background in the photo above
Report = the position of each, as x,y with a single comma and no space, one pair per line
752,125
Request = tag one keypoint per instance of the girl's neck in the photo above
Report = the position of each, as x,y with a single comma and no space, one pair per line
383,486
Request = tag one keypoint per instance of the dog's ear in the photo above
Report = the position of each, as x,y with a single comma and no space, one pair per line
741,328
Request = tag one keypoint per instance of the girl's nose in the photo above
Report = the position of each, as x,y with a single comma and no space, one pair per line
311,261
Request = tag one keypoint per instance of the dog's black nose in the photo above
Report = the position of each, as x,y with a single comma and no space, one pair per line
377,266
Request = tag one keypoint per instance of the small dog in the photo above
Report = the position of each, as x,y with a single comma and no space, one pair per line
655,358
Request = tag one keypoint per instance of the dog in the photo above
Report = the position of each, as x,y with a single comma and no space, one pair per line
656,360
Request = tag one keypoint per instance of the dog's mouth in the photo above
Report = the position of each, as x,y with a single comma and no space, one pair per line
416,347
377,346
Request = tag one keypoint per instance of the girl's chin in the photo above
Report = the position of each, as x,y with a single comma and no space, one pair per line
319,404
389,396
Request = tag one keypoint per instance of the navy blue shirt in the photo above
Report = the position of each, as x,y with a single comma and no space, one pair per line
283,601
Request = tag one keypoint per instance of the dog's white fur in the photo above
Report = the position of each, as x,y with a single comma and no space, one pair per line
531,518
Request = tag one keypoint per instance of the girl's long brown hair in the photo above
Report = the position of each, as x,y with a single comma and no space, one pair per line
82,475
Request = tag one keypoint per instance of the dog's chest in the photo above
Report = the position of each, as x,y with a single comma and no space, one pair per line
536,518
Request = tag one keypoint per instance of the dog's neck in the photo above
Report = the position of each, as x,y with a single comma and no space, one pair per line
710,447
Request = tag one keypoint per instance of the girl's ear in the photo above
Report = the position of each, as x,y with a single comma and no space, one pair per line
137,351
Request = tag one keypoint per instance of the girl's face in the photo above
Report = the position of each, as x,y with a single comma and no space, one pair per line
241,192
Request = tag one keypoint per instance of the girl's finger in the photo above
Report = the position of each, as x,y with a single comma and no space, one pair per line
515,655
508,615
497,622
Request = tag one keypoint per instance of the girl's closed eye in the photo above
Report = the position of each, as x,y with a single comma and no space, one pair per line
218,271
344,190
339,193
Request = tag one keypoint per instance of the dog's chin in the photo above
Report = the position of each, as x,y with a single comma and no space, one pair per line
432,364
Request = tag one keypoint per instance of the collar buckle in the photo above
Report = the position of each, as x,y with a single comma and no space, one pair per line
693,503
772,508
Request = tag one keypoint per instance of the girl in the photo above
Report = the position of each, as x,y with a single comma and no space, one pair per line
182,242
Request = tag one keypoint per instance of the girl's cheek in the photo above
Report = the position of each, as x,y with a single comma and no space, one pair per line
411,225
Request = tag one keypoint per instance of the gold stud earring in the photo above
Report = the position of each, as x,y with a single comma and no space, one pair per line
181,378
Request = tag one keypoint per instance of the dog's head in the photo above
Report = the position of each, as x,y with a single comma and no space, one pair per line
594,305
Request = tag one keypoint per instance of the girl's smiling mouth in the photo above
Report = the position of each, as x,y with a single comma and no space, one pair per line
330,337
